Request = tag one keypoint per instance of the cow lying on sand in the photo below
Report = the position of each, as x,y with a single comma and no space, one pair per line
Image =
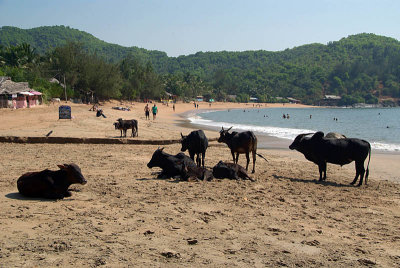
230,171
50,184
194,173
322,150
171,165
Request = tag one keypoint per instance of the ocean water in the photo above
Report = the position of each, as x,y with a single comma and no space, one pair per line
379,126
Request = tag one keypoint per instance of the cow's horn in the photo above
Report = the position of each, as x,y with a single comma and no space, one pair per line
305,134
61,166
229,129
181,135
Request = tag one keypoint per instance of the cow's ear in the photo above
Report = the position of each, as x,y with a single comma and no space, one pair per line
318,135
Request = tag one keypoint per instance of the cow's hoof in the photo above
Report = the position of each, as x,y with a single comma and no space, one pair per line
253,172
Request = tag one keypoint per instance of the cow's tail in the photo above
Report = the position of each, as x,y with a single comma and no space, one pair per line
255,145
262,157
369,159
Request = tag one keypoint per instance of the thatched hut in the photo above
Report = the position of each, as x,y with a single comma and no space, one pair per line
17,94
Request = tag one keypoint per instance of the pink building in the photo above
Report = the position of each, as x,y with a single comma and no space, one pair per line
17,94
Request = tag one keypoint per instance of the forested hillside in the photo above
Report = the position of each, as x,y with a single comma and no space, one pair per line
46,38
359,68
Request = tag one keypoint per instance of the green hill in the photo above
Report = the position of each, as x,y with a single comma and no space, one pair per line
47,38
362,67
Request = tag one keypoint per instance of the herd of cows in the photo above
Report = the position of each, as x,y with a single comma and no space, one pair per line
332,148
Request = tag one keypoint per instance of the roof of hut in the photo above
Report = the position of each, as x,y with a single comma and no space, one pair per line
9,87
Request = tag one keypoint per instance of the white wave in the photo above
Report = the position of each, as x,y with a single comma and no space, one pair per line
385,146
284,133
278,132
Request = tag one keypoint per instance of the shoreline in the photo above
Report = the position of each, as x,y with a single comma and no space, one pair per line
265,141
383,163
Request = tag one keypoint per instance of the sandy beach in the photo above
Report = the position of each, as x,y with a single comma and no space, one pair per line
125,216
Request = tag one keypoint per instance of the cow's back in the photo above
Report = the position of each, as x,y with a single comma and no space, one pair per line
198,141
34,184
244,141
344,151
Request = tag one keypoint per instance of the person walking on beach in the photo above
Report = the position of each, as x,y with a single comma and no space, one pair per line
147,111
173,107
154,108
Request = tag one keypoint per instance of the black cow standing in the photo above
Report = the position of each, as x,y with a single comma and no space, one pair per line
124,125
171,165
50,184
241,143
196,142
321,150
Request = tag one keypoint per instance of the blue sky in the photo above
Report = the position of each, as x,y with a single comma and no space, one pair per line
182,27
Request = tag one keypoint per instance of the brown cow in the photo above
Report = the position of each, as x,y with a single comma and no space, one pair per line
241,143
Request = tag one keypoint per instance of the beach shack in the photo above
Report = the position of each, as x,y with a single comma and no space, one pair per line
253,99
293,100
199,98
330,100
18,94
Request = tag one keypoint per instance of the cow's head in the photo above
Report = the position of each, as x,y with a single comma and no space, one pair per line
184,142
298,142
74,173
156,158
117,125
223,134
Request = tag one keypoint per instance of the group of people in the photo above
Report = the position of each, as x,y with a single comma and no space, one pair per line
154,110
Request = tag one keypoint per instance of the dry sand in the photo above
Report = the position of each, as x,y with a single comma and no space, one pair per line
125,216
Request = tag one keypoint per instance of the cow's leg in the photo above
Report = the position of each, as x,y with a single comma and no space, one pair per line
203,156
356,177
248,161
361,170
191,155
121,132
198,162
125,132
237,158
254,162
233,156
324,170
321,170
